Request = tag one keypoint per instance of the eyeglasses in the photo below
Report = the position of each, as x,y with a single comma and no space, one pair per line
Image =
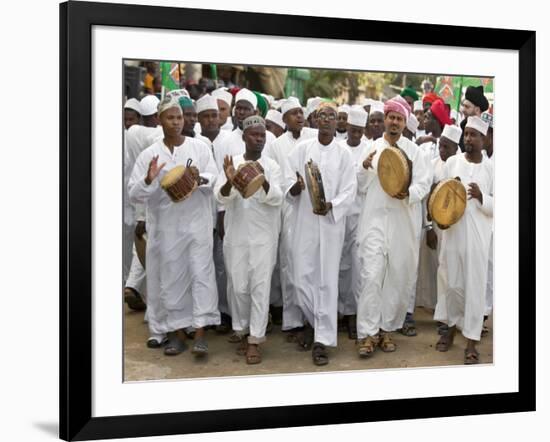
324,116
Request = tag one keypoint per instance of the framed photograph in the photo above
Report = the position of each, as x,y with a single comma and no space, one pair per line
106,390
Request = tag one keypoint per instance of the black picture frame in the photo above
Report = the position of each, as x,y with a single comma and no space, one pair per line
76,21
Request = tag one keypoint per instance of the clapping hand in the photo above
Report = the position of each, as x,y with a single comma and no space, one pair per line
153,170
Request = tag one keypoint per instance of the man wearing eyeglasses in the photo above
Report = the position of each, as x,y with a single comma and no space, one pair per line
318,236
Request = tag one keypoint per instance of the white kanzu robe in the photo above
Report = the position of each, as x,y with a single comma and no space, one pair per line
282,285
389,236
462,274
250,249
181,285
219,150
316,241
348,280
136,139
426,287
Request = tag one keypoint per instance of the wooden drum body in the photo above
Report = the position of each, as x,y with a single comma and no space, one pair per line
394,171
315,188
179,183
249,178
447,202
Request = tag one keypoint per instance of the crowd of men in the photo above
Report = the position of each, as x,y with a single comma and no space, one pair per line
362,261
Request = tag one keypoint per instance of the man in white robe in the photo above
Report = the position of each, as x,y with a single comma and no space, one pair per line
225,100
318,237
136,139
181,285
435,119
488,150
282,286
250,243
418,111
215,138
462,273
375,123
274,122
246,104
430,244
342,123
348,281
389,235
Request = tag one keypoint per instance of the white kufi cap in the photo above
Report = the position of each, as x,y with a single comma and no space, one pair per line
247,95
478,124
149,105
223,94
452,132
206,102
133,104
412,123
276,117
289,104
358,117
344,109
417,106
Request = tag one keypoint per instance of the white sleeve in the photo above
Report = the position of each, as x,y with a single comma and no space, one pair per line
341,203
138,191
275,195
422,177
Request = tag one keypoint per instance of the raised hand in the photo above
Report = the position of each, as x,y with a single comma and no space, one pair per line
228,168
475,192
367,164
153,170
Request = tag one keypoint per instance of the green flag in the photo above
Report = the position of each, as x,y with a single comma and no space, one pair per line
170,76
451,88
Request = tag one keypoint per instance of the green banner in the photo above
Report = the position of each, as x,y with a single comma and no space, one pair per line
451,88
170,76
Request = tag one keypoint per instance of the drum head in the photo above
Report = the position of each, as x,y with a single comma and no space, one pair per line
141,246
447,202
253,186
393,171
172,176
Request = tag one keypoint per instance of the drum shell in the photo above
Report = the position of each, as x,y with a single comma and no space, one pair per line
447,202
248,178
314,184
179,189
394,171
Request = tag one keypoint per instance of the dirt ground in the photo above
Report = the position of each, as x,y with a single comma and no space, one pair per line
279,356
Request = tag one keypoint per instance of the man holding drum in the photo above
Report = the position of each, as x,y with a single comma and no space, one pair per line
252,222
318,236
389,232
181,284
462,274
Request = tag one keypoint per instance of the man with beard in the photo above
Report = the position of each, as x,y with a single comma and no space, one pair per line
348,281
389,235
250,244
181,284
473,105
282,290
462,273
318,235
